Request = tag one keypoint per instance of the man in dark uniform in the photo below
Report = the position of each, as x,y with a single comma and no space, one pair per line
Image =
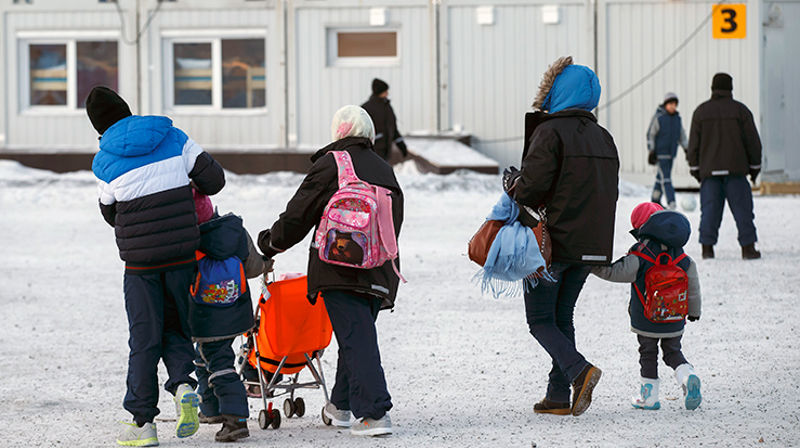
380,110
724,148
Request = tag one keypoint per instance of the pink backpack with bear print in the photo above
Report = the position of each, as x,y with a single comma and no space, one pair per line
357,229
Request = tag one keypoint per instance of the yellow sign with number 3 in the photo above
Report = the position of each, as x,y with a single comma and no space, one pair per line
729,21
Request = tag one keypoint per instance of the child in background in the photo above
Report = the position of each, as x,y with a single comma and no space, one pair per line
658,232
221,309
664,135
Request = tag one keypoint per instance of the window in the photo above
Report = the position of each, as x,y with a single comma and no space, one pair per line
217,73
63,74
362,47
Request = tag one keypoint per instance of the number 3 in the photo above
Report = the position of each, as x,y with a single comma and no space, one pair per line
729,20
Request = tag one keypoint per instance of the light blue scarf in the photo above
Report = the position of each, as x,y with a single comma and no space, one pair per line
513,256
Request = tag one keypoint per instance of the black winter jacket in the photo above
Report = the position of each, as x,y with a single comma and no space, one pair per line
571,167
144,169
386,132
304,211
723,139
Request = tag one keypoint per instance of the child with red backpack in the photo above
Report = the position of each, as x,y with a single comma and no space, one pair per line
665,290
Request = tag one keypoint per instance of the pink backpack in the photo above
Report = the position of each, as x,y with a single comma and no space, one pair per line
357,229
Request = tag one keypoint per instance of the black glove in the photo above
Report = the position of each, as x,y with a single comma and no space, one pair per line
754,172
652,158
264,238
696,175
510,177
401,145
694,318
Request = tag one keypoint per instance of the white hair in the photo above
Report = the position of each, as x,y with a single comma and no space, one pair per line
352,121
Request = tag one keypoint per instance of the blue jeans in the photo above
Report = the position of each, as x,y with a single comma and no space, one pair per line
549,309
218,383
158,308
663,183
713,193
360,382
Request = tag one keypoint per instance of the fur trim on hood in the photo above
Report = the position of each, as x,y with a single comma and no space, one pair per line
548,78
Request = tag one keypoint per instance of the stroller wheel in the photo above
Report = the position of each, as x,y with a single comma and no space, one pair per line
288,408
276,419
325,418
264,420
299,407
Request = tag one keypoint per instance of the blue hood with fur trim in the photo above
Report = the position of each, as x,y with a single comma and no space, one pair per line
576,87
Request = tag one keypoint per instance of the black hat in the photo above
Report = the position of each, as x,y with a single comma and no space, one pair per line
722,81
379,86
105,108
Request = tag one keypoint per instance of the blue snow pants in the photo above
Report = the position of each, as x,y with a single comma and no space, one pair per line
360,381
663,183
714,191
158,307
549,309
219,386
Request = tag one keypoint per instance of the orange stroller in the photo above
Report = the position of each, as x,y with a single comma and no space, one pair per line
290,333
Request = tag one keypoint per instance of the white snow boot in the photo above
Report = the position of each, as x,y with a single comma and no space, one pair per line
690,384
648,395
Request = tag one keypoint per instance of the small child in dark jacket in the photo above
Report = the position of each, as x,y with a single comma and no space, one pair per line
214,325
658,232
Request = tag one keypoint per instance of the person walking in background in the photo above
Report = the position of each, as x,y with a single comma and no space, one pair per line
353,296
664,135
380,110
659,233
145,170
570,166
724,147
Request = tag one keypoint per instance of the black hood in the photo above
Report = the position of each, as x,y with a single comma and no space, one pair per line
223,237
341,145
668,227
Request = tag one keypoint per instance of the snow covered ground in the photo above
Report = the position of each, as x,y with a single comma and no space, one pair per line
462,369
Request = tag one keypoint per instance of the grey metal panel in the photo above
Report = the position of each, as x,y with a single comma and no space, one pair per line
226,129
56,130
321,90
781,94
635,38
494,70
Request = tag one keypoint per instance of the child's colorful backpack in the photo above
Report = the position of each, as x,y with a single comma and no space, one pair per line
218,283
357,229
665,298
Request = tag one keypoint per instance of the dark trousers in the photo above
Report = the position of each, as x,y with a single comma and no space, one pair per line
360,382
157,307
648,354
218,383
663,183
549,309
713,193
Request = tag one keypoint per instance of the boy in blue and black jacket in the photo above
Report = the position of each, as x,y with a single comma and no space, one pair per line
658,232
664,134
144,170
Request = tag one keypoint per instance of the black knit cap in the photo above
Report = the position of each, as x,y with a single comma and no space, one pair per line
379,86
105,108
722,81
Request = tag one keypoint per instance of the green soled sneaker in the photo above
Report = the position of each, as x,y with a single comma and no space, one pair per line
133,435
186,404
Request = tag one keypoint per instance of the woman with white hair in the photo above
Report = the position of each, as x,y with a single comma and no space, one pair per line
352,296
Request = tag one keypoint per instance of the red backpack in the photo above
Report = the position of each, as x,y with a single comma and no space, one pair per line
666,289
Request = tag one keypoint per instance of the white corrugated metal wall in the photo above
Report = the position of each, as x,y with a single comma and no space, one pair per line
780,101
634,37
318,88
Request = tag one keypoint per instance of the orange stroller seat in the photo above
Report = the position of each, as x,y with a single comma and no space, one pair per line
290,326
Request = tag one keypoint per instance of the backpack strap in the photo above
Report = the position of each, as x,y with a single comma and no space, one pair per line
641,255
347,173
386,226
679,258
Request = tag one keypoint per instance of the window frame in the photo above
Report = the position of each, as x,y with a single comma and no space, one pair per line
69,39
332,47
215,38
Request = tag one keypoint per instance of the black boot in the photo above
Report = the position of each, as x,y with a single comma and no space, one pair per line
233,429
582,389
213,420
749,252
708,251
